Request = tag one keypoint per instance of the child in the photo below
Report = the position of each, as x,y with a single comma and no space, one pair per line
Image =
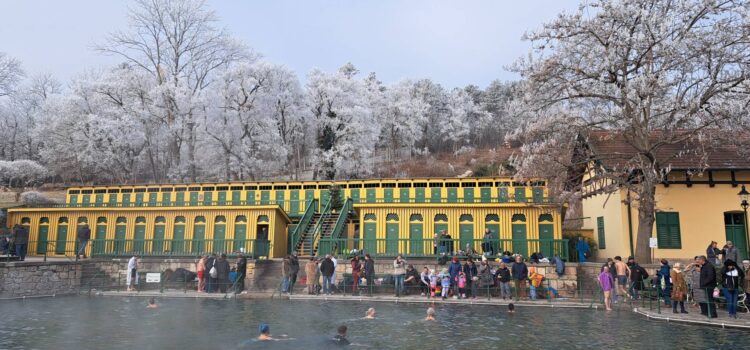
536,281
461,282
433,284
445,283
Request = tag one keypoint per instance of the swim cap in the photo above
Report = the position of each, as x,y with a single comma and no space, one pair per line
263,328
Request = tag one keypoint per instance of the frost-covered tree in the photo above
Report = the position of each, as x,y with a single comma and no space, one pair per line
403,118
676,69
22,173
10,74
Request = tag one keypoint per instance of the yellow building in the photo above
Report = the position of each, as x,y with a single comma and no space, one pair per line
692,208
381,216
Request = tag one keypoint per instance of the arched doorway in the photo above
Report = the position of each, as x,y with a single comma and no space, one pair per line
100,237
391,234
518,234
139,237
160,224
199,235
240,234
121,225
220,233
80,224
416,235
492,223
62,235
370,235
262,236
42,236
546,235
440,224
178,235
466,232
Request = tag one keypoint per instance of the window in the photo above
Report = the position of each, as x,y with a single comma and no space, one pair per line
309,187
469,184
388,185
167,189
113,191
404,184
355,185
153,189
600,232
279,187
371,185
103,190
236,188
251,188
668,230
74,192
127,190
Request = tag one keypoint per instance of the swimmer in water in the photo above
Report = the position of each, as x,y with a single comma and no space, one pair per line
370,314
265,332
152,304
511,308
430,315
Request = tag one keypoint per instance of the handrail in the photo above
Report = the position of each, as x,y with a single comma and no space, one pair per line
304,222
324,214
343,215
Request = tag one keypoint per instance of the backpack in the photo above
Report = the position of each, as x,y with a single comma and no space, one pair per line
213,273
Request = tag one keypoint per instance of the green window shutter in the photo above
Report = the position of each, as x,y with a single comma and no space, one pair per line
600,232
668,230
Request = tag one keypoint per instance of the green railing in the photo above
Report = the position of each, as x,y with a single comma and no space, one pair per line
286,205
384,247
318,226
338,228
304,222
456,200
149,247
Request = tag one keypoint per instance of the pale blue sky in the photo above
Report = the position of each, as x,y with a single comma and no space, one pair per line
454,42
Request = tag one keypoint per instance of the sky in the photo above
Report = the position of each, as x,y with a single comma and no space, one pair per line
456,43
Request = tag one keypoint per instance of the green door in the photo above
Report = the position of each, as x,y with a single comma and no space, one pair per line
452,194
99,200
220,230
486,194
520,244
152,199
250,197
178,239
403,195
208,198
139,238
62,238
309,196
438,227
468,194
41,245
126,199
416,239
112,199
466,235
240,235
73,199
538,194
371,195
194,197
435,195
419,195
280,198
100,238
236,197
354,194
387,195
520,194
325,197
495,233
139,199
391,238
166,199
734,225
222,197
370,235
265,197
502,195
86,200
119,246
546,237
294,207
198,237
158,245
179,199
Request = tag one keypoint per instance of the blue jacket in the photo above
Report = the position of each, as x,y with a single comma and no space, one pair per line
519,271
664,274
454,269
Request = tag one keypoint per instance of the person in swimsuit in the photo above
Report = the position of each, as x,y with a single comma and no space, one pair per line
370,314
430,315
265,332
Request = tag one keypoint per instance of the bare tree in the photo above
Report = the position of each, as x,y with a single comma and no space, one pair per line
10,74
661,73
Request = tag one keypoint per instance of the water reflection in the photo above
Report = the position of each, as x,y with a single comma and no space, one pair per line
125,323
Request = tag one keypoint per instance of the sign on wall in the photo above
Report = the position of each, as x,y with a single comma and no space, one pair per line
153,277
653,242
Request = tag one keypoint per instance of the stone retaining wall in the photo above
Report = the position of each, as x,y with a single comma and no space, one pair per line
37,278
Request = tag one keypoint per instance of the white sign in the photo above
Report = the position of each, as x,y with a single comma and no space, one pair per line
153,277
653,242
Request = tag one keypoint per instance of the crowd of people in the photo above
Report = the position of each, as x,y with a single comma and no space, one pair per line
703,281
14,242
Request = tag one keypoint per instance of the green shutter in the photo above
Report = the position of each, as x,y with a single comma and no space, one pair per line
668,230
600,232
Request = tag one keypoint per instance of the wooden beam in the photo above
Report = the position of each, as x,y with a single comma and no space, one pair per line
688,181
734,179
711,179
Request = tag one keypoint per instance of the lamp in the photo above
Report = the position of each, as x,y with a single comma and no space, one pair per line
743,196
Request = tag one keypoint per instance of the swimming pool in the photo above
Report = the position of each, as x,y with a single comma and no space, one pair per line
125,323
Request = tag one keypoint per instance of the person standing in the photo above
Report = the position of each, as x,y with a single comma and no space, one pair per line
83,235
472,277
222,272
712,253
425,279
399,271
520,274
732,279
293,271
583,249
731,252
487,243
679,288
212,273
369,273
311,273
665,281
707,284
606,283
241,273
20,241
356,272
637,275
333,276
327,269
201,271
621,273
453,269
132,277
502,275
285,274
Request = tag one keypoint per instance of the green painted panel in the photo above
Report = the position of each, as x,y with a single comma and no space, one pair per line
166,198
220,231
240,236
546,235
179,199
99,200
250,197
371,195
120,231
388,195
452,194
520,195
236,197
468,194
86,200
199,235
403,195
538,194
325,197
158,245
466,235
73,199
126,199
419,195
294,204
354,194
486,194
178,239
309,196
370,237
391,238
495,233
112,200
280,198
41,246
139,199
138,238
435,194
99,239
222,197
520,244
194,197
502,195
208,198
152,199
265,197
416,239
62,238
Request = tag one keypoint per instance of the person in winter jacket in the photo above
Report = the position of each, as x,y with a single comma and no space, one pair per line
706,285
285,274
637,275
679,288
665,282
210,281
399,273
369,272
311,271
327,269
502,275
453,269
293,270
712,253
222,273
520,274
731,252
83,235
472,277
356,272
732,280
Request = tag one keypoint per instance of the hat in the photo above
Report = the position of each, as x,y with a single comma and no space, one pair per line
730,263
729,243
264,328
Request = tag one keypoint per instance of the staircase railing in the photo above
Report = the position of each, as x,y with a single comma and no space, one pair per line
329,243
304,222
316,231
